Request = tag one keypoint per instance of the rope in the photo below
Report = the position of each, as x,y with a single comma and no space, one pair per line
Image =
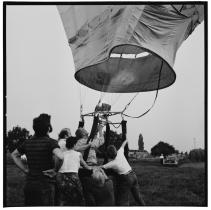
129,103
91,136
153,101
124,134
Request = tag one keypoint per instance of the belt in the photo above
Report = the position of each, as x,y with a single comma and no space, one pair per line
127,172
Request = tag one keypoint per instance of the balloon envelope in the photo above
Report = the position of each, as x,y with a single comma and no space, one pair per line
127,48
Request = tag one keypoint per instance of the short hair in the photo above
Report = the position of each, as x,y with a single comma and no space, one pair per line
42,125
80,133
70,142
111,151
64,132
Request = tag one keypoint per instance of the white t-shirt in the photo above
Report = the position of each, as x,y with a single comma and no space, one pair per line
119,164
71,162
62,144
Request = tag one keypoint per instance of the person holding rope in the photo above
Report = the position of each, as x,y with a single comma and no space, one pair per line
70,192
127,180
97,186
88,149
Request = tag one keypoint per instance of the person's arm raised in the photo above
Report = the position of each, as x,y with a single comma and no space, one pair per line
124,143
100,130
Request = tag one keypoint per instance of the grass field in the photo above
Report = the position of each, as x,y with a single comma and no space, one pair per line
160,186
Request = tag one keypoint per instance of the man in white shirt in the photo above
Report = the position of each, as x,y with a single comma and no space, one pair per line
127,180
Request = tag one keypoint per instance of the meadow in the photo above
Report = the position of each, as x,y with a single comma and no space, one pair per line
160,185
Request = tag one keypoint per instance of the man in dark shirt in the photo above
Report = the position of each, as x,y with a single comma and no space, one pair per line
40,151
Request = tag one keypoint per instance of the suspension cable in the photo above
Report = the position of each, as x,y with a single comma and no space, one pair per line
153,101
129,103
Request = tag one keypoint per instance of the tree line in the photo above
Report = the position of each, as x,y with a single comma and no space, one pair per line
18,135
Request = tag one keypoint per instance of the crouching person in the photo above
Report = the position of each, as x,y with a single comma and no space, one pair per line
39,189
70,191
126,180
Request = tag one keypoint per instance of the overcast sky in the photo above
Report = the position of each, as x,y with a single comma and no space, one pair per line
40,79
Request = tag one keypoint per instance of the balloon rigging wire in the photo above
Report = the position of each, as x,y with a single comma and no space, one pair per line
128,104
153,101
80,100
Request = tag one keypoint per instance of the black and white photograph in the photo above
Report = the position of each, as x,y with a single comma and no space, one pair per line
105,104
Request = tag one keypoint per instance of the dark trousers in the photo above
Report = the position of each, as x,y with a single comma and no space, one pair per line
126,184
70,192
98,195
39,193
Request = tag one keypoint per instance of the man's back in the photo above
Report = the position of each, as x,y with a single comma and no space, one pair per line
38,151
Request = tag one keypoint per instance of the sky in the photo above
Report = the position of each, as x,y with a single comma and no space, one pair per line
40,79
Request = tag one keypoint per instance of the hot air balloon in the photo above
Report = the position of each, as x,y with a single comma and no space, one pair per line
127,48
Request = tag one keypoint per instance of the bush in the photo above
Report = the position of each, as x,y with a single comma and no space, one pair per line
162,148
197,155
16,137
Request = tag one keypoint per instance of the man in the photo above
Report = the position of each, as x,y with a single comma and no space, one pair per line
39,189
127,180
85,175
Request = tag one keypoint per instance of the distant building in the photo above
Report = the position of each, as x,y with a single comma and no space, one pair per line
137,154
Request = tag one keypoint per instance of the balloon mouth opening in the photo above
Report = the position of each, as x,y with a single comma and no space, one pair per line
128,69
129,56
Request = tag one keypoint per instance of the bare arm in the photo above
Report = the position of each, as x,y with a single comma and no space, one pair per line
83,163
124,143
82,148
100,130
98,141
108,165
16,156
58,153
58,163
